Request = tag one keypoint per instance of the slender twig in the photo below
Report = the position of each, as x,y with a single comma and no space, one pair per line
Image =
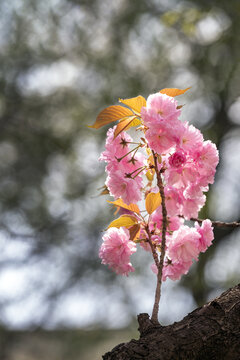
154,253
141,168
119,159
218,223
154,317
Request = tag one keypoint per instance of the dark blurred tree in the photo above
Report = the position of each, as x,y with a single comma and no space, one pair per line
61,62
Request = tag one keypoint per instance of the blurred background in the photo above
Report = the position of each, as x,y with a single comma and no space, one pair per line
61,63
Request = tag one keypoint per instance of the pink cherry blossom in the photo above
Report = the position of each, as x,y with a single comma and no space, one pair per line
187,167
115,147
116,250
207,159
181,176
191,206
173,223
161,118
162,105
177,159
121,185
206,233
123,269
173,200
175,270
160,139
193,191
183,246
191,138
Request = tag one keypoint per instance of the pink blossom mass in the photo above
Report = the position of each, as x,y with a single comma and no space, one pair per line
116,250
186,165
183,245
206,233
160,107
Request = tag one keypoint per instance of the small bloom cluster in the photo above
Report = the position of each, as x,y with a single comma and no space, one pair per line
122,167
183,246
188,164
116,250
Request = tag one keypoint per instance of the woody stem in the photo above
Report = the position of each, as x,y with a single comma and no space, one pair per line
154,317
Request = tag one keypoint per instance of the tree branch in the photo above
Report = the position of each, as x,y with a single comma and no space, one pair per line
154,317
209,332
219,223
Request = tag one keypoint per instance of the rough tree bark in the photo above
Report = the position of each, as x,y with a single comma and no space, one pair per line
209,332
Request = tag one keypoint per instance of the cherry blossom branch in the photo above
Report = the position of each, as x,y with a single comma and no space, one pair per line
154,317
219,223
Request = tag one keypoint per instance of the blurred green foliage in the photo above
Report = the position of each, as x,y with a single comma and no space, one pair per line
61,62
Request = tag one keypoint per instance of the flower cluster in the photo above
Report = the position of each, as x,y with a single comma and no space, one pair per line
183,246
121,165
116,250
186,164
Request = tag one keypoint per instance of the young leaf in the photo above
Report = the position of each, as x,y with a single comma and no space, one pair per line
110,114
124,220
152,202
126,124
150,175
131,207
134,231
173,92
135,103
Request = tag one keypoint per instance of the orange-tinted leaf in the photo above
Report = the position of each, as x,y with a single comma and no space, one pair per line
131,207
124,220
135,103
152,202
110,114
126,124
134,232
173,91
